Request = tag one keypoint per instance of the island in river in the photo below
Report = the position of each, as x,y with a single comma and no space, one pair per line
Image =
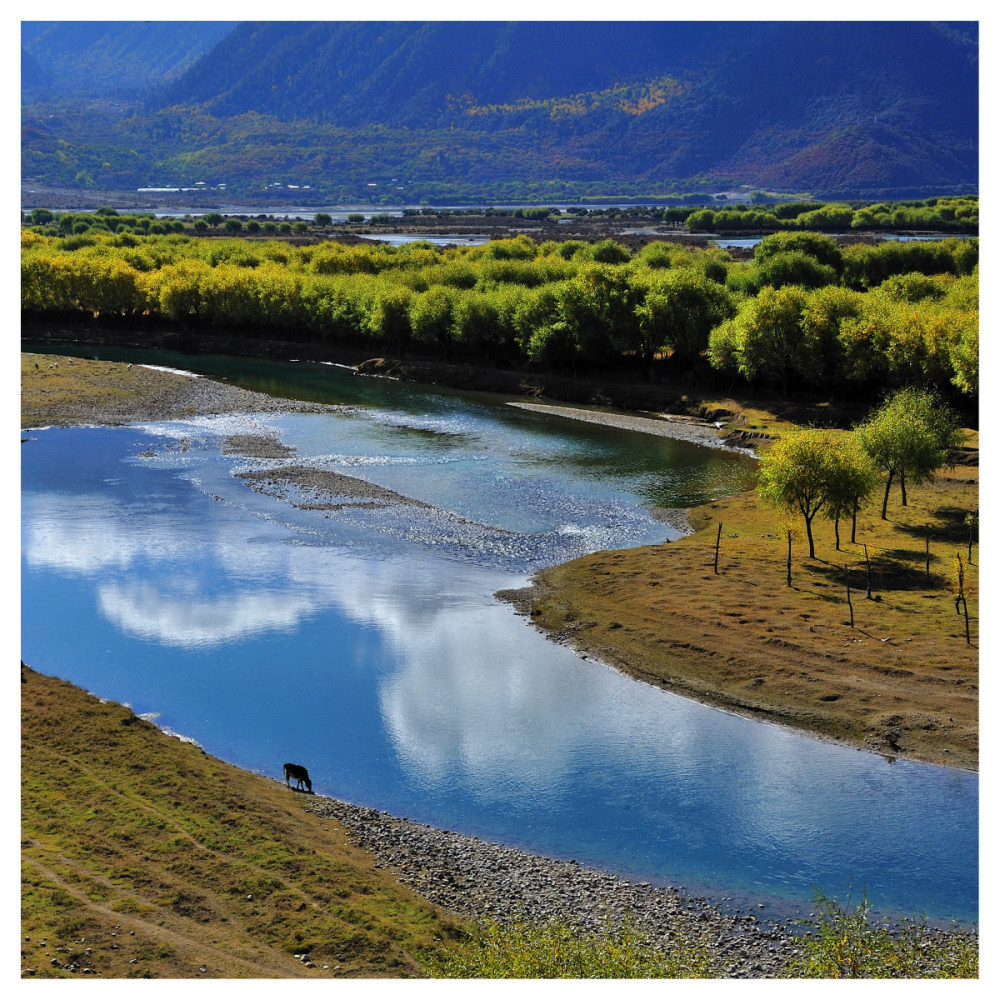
711,615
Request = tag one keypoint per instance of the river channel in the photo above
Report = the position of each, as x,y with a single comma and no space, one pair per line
272,619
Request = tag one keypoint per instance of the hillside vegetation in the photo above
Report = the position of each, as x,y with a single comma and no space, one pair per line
143,856
530,112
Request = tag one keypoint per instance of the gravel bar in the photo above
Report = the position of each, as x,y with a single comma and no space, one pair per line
480,880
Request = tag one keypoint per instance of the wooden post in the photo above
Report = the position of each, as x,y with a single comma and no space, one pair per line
927,554
961,597
788,564
847,580
717,539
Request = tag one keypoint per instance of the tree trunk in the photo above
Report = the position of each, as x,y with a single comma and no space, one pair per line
836,532
885,499
809,535
854,524
902,484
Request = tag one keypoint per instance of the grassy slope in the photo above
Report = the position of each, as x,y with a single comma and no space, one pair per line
902,680
143,856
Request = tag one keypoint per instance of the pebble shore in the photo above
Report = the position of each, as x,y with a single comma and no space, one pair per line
477,879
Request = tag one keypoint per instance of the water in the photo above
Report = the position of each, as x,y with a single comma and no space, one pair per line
366,643
748,242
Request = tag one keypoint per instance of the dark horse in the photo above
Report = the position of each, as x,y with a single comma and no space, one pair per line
300,774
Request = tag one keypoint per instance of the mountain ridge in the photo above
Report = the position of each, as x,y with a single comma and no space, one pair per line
838,109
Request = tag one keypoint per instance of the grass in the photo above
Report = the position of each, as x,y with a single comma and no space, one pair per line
901,680
554,949
844,943
144,857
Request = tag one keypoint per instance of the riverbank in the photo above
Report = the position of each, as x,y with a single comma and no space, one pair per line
74,758
193,868
145,857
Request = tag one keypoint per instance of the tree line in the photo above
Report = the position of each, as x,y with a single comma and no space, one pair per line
803,312
959,213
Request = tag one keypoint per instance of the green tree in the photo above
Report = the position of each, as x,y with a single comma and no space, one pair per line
795,267
797,475
431,317
323,219
853,478
822,248
765,341
679,312
910,435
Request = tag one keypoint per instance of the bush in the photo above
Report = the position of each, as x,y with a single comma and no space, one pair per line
846,944
556,949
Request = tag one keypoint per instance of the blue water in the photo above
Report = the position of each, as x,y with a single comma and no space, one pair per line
366,643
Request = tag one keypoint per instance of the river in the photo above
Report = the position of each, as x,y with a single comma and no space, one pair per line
363,639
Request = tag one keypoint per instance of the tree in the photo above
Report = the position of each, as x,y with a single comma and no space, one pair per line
765,341
853,478
797,475
911,434
795,267
679,312
323,219
822,248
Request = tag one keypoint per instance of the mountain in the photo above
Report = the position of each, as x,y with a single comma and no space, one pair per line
73,59
487,110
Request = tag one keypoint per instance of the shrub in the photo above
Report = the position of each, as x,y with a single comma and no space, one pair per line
556,949
847,944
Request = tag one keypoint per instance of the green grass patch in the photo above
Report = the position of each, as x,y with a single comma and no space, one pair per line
845,943
554,949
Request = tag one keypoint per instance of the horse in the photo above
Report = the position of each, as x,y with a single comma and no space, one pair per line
300,774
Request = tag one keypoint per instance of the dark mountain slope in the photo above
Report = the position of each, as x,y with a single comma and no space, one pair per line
102,58
411,73
828,107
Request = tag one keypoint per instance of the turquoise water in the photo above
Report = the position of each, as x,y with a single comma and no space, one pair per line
366,644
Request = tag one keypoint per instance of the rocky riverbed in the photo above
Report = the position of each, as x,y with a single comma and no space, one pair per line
490,881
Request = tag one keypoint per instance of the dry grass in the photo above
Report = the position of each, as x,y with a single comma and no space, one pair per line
142,856
902,680
63,390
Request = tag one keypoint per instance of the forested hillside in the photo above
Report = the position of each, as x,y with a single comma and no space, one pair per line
534,111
